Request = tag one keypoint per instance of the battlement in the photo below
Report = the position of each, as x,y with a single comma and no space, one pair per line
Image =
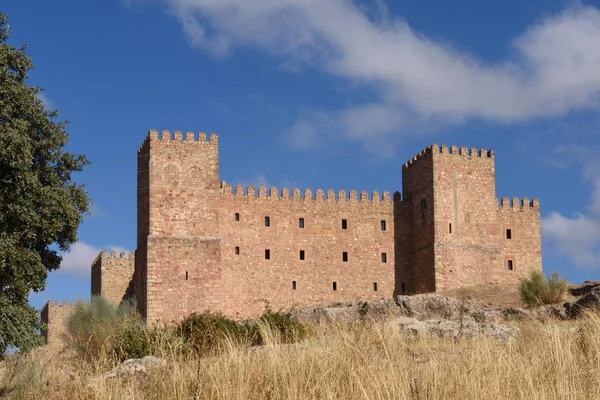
296,194
519,204
178,137
451,150
58,303
113,254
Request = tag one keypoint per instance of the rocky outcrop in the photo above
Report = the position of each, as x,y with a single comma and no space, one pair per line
465,327
590,301
136,366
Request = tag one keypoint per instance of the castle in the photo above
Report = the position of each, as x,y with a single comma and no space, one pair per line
203,245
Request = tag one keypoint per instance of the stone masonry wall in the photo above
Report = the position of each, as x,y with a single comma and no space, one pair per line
112,275
417,186
182,251
202,245
285,280
55,315
522,218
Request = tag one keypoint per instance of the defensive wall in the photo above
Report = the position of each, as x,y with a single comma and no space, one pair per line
112,276
205,245
54,315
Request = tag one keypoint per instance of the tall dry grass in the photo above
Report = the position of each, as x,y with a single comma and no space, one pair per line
555,360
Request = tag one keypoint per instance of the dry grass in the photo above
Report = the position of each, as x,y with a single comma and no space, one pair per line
555,360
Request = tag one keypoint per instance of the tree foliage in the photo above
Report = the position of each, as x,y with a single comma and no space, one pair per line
41,207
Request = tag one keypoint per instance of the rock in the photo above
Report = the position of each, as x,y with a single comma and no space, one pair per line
515,313
456,328
429,305
589,301
136,366
583,289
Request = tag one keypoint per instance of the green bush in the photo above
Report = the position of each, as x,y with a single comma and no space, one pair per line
205,331
98,327
537,290
282,324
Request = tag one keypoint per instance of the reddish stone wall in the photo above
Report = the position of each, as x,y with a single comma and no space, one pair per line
182,253
252,280
195,254
524,246
112,275
55,316
417,186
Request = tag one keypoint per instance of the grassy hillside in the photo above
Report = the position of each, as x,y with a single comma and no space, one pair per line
364,360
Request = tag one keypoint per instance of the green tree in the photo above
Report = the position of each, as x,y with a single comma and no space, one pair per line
40,205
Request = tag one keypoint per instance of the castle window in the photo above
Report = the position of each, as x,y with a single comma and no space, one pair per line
334,285
509,233
383,225
345,256
237,216
267,221
293,285
267,254
509,265
374,286
344,224
423,207
450,228
301,223
403,287
237,250
186,275
383,257
301,254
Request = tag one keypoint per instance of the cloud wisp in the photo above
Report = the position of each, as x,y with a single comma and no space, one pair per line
553,68
78,260
578,237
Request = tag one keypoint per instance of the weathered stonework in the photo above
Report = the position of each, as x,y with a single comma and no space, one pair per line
112,276
55,315
203,245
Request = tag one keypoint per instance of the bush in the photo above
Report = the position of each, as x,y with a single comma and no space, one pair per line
282,324
205,331
98,327
537,291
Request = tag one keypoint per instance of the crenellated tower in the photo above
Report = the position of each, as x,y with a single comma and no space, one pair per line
459,235
177,262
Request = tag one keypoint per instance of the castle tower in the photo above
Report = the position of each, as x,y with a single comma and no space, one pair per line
459,234
177,261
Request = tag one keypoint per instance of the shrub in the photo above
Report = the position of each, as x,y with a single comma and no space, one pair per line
282,324
98,327
538,290
205,331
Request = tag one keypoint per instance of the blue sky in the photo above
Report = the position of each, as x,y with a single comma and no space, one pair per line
326,94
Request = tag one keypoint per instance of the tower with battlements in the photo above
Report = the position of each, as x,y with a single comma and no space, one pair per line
205,245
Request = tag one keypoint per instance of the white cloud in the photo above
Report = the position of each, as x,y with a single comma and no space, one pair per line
578,237
258,181
79,259
45,101
553,69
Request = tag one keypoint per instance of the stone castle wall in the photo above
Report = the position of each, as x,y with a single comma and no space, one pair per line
202,244
55,316
309,227
112,276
